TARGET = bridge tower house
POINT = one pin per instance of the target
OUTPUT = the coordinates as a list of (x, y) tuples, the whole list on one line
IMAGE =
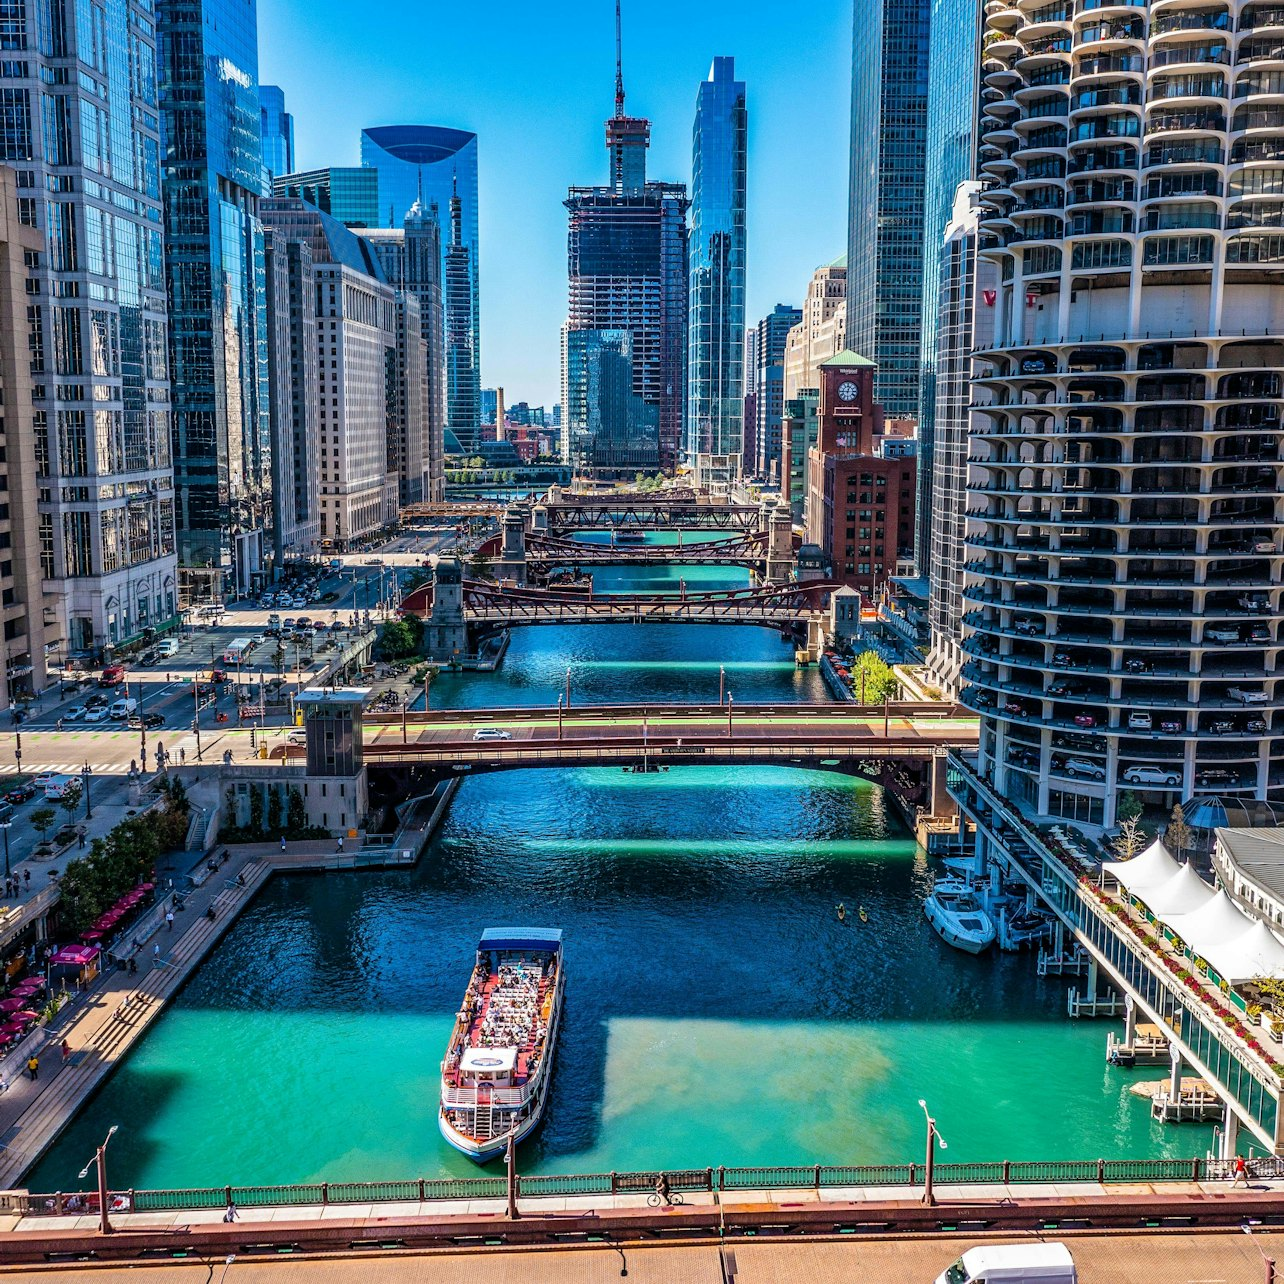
[(780, 544), (511, 564), (445, 632)]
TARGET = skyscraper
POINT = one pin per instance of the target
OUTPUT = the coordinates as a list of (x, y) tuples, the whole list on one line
[(715, 366), (431, 165), (953, 85), (411, 260), (627, 261), (885, 223), (213, 175), (463, 384), (608, 425), (276, 129), (769, 386), (86, 153), (1124, 536)]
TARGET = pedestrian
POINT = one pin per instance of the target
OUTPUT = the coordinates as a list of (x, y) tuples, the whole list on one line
[(26, 877), (1241, 1169), (33, 1066), (66, 1050), (340, 842), (231, 1215), (169, 919), (156, 955), (182, 756), (80, 836), (283, 842)]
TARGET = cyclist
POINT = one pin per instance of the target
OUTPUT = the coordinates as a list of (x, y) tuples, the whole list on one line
[(662, 1188)]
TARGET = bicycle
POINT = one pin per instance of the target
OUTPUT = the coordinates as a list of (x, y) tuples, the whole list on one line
[(655, 1199)]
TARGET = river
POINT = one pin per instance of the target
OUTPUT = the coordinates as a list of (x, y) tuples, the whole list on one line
[(717, 1012)]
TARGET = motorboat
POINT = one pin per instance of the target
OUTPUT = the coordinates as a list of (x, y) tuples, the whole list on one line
[(956, 913)]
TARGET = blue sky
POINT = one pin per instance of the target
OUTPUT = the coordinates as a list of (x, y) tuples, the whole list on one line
[(535, 80)]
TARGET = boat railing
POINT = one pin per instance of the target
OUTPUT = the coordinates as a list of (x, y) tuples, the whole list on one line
[(470, 1098)]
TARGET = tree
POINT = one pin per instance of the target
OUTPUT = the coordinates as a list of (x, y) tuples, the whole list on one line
[(70, 800), (1130, 839), (256, 812), (1179, 834), (1129, 806), (296, 815), (879, 682), (479, 565), (273, 811), (42, 820)]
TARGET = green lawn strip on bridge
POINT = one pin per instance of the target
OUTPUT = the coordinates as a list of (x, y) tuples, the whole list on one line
[(546, 718)]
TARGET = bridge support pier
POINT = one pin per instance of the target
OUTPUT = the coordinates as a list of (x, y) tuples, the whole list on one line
[(1229, 1137), (511, 564), (445, 631), (780, 545), (941, 801)]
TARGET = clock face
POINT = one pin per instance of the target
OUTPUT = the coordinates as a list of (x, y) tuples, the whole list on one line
[(848, 391)]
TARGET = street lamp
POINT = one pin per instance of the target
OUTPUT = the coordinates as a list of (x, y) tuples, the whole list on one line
[(722, 685), (86, 775), (568, 686), (932, 1138), (559, 715), (730, 699), (100, 1157), (4, 824)]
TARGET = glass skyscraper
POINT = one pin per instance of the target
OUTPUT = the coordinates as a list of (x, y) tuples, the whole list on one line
[(953, 81), (85, 149), (885, 225), (715, 362), (769, 386), (349, 193), (214, 264), (276, 128), (429, 165)]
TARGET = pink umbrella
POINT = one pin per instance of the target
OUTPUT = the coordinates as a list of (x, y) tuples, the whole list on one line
[(12, 1005), (91, 936), (24, 988), (10, 1028)]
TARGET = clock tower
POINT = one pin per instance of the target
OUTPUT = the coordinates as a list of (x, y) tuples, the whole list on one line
[(849, 419)]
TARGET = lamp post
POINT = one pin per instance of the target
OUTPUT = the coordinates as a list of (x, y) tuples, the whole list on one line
[(86, 775), (932, 1138), (4, 824), (559, 715), (568, 686), (100, 1158), (730, 701), (722, 685)]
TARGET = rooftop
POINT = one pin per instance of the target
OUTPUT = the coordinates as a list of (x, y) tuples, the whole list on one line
[(1258, 854), (847, 358)]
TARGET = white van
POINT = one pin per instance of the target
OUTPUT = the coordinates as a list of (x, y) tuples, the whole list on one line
[(1013, 1264), (123, 708)]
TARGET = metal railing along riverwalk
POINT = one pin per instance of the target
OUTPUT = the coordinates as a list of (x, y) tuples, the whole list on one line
[(709, 1180)]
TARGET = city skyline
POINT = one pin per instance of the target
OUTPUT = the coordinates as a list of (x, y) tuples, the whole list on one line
[(535, 142)]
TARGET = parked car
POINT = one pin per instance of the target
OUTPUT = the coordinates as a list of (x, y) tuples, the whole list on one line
[(1221, 633), (1083, 767), (1246, 695), (1140, 722), (1220, 726), (1171, 727), (1216, 776), (1255, 726), (1085, 720), (1027, 626), (1166, 776)]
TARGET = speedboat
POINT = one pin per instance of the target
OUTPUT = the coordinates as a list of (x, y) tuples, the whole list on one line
[(499, 1061), (958, 917)]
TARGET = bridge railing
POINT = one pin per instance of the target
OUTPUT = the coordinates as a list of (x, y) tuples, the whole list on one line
[(855, 712), (998, 1173)]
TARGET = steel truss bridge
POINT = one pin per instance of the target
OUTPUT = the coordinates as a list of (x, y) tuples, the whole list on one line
[(657, 513), (549, 550), (783, 606)]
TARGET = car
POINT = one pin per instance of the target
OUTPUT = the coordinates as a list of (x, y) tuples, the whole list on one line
[(1015, 707), (99, 714), (1063, 689), (1171, 727), (148, 720), (1246, 695), (1138, 666), (1256, 726), (1140, 722), (1221, 633), (1025, 757), (1028, 627), (303, 622), (148, 658), (74, 714), (1082, 767), (96, 701), (21, 793), (1253, 602), (288, 623), (1166, 776), (297, 738), (1058, 657), (1216, 776), (1221, 726), (492, 733), (167, 648), (1259, 633), (1085, 720)]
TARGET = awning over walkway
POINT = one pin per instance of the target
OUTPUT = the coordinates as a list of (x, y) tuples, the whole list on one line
[(1236, 947), (1182, 894)]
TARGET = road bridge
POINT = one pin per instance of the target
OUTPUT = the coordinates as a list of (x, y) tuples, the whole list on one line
[(648, 512), (902, 745), (549, 550)]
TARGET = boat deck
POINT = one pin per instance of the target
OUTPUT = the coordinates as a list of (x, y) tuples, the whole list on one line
[(511, 1011)]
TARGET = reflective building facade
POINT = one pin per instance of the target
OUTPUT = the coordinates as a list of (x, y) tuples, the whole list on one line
[(214, 266), (85, 149), (715, 365), (346, 192), (608, 425), (276, 128), (952, 96), (769, 386), (885, 224), (430, 164)]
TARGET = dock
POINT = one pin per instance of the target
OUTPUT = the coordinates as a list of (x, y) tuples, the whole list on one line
[(1196, 1102)]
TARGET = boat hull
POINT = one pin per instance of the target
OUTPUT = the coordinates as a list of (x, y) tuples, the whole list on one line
[(949, 931)]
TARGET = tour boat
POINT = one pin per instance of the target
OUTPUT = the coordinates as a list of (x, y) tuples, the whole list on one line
[(499, 1062), (955, 912), (628, 537)]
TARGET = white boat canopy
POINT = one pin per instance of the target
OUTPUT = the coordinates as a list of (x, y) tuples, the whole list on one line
[(1149, 868), (1237, 947), (1182, 894)]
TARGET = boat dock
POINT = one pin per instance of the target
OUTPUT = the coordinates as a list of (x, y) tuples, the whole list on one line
[(1196, 1102)]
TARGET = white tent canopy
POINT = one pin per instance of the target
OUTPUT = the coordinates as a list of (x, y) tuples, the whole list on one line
[(1237, 947), (1182, 894), (1147, 869)]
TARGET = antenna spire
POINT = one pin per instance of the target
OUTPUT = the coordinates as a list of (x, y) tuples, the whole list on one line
[(619, 66)]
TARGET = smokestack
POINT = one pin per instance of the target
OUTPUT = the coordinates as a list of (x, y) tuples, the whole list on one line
[(499, 415)]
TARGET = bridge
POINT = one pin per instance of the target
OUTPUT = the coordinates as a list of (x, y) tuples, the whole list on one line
[(657, 512), (902, 745), (460, 613), (548, 550)]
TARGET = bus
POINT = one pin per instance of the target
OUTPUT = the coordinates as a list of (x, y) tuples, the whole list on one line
[(238, 650)]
